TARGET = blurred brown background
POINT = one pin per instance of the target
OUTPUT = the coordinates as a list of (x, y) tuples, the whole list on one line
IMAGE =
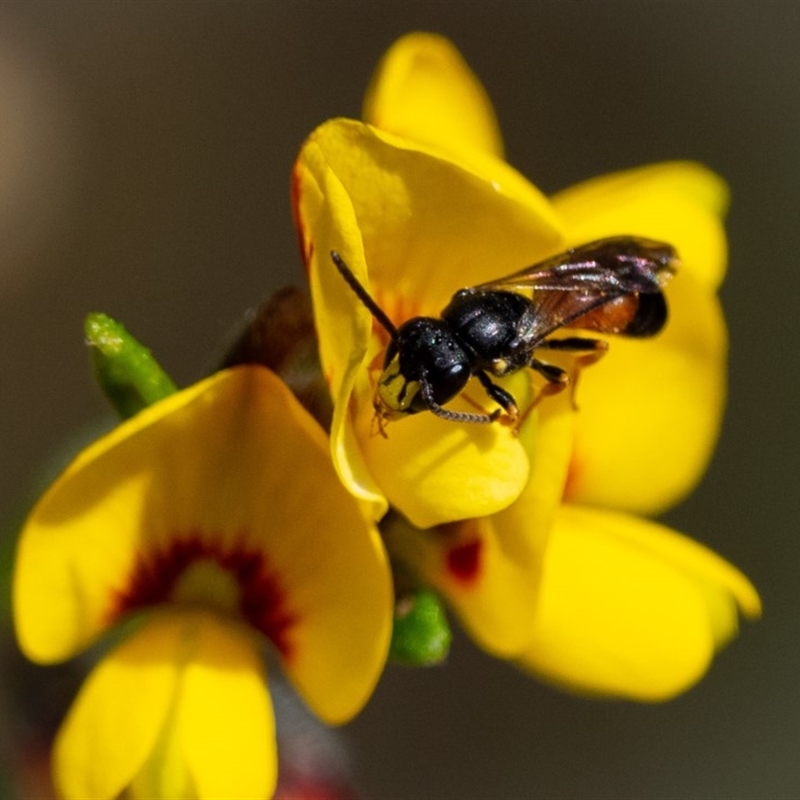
[(145, 151)]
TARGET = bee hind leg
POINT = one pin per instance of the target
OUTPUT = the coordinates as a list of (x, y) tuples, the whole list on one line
[(592, 351)]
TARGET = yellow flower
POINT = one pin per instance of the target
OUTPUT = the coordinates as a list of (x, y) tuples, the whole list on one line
[(426, 225), (214, 522), (533, 539)]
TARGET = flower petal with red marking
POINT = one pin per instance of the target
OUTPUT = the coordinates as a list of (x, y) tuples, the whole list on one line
[(232, 471), (489, 569)]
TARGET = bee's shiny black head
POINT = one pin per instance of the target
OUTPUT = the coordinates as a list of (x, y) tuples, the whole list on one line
[(423, 362)]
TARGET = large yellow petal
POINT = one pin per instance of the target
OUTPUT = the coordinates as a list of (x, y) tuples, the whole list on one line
[(424, 91), (326, 220), (631, 609), (428, 224), (238, 466), (115, 722), (180, 708), (275, 489), (224, 719), (650, 411), (436, 471), (681, 202), (378, 200)]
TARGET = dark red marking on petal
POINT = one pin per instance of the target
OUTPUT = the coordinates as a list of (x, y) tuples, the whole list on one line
[(464, 561), (261, 599), (464, 554)]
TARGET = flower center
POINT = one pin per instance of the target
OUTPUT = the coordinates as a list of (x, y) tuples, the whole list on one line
[(204, 582), (198, 571)]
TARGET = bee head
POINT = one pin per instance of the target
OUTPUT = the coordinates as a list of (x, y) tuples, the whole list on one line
[(424, 365)]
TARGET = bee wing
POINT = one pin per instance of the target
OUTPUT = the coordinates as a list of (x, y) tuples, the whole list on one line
[(608, 286), (550, 311), (620, 265)]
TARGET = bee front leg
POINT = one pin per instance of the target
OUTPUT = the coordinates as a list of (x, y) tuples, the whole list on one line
[(444, 413)]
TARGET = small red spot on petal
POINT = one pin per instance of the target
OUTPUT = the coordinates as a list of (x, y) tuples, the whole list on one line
[(464, 551), (464, 561), (261, 599)]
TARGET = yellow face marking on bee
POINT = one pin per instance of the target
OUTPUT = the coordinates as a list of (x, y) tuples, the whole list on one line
[(395, 393)]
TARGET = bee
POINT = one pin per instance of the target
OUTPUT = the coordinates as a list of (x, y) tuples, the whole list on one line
[(493, 330)]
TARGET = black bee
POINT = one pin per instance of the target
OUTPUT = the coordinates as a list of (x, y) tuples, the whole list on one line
[(492, 330)]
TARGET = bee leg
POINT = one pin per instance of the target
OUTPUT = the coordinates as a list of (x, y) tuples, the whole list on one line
[(573, 344), (594, 350), (378, 425), (557, 380), (444, 413), (503, 398)]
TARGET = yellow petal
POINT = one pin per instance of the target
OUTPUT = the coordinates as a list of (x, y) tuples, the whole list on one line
[(326, 220), (423, 90), (436, 471), (378, 201), (236, 465), (489, 569), (631, 609), (116, 719), (650, 411), (80, 541), (181, 708), (677, 202), (428, 225), (224, 719), (338, 590)]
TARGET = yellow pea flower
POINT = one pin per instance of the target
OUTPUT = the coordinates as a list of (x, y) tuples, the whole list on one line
[(214, 523), (533, 539)]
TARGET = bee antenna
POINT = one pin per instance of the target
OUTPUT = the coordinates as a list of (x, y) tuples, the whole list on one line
[(363, 295)]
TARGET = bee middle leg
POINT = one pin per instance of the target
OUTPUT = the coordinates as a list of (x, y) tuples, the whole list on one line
[(500, 396), (557, 380)]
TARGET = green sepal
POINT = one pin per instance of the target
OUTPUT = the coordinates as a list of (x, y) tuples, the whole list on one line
[(127, 372), (421, 635)]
